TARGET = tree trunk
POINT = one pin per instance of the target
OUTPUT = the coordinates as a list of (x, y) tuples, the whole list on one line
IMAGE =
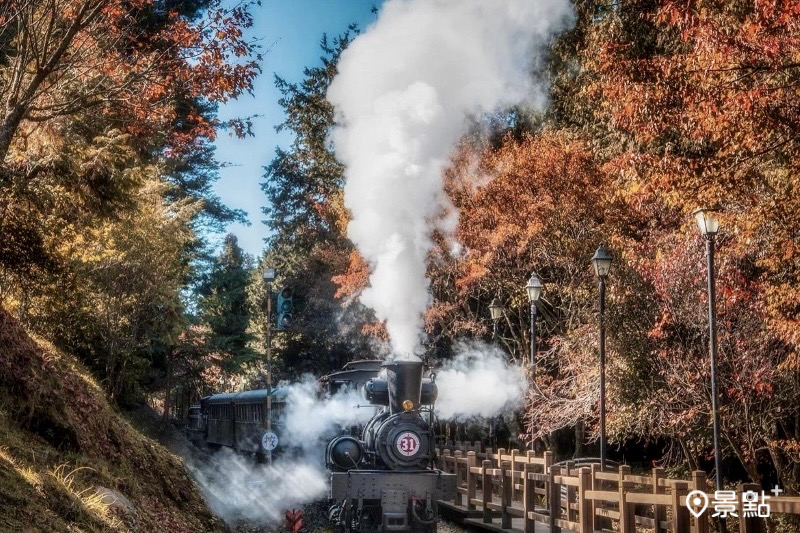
[(687, 454), (167, 395), (580, 439)]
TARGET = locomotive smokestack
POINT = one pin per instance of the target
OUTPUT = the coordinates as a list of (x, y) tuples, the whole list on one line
[(405, 384)]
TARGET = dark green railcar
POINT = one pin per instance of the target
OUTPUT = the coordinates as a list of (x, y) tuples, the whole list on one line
[(240, 420)]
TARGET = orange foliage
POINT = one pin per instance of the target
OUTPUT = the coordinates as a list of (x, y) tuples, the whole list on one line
[(711, 116), (544, 194), (354, 279)]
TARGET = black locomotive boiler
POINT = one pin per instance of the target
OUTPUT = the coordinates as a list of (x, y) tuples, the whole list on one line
[(384, 479)]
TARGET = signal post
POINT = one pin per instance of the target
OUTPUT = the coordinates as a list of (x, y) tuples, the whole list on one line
[(269, 277)]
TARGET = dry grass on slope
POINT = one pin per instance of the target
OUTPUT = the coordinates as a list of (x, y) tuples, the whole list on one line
[(70, 462)]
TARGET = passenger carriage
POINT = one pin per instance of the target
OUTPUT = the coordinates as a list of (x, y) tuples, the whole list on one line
[(240, 420)]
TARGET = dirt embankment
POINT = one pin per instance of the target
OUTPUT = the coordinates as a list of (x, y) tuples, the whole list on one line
[(70, 462)]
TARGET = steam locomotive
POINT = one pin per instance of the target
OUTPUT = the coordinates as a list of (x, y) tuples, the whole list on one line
[(383, 477)]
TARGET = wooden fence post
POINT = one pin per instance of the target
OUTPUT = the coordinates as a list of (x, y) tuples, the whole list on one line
[(597, 484), (572, 514), (443, 458), (585, 522), (659, 511), (699, 482), (627, 520), (459, 477), (514, 469), (548, 462), (554, 495), (680, 513), (529, 498), (472, 461), (749, 524), (486, 482), (506, 486)]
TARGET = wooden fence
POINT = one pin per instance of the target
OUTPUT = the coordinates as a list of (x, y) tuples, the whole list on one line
[(520, 489)]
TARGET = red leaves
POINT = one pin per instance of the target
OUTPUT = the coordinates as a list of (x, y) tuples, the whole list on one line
[(105, 59)]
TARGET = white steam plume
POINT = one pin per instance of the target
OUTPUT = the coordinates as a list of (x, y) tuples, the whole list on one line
[(404, 90), (309, 419), (237, 489), (479, 382)]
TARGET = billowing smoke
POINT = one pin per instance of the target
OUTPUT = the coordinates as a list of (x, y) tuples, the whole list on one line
[(479, 383), (309, 419), (237, 489), (403, 94)]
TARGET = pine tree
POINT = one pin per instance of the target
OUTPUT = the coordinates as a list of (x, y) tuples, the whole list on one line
[(306, 215), (224, 306)]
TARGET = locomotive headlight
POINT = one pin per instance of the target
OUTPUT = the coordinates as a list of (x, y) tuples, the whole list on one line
[(408, 405)]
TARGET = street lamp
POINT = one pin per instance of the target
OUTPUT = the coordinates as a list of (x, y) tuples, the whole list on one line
[(496, 311), (709, 226), (602, 264), (534, 289)]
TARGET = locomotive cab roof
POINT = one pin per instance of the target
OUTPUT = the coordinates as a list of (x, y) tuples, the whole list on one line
[(354, 374), (363, 364)]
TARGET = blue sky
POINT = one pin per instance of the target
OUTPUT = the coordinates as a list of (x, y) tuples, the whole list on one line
[(291, 30)]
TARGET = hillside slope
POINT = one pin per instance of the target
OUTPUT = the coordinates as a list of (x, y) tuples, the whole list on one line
[(66, 453)]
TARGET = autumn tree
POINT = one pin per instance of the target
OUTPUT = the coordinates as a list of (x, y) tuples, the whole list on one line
[(535, 203), (666, 106), (108, 111), (116, 303), (691, 104), (79, 76)]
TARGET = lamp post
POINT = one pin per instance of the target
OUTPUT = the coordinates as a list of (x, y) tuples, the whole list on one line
[(602, 264), (534, 289), (269, 277), (496, 311), (709, 226)]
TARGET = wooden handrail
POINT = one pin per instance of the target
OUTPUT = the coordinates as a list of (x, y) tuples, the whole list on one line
[(506, 485)]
